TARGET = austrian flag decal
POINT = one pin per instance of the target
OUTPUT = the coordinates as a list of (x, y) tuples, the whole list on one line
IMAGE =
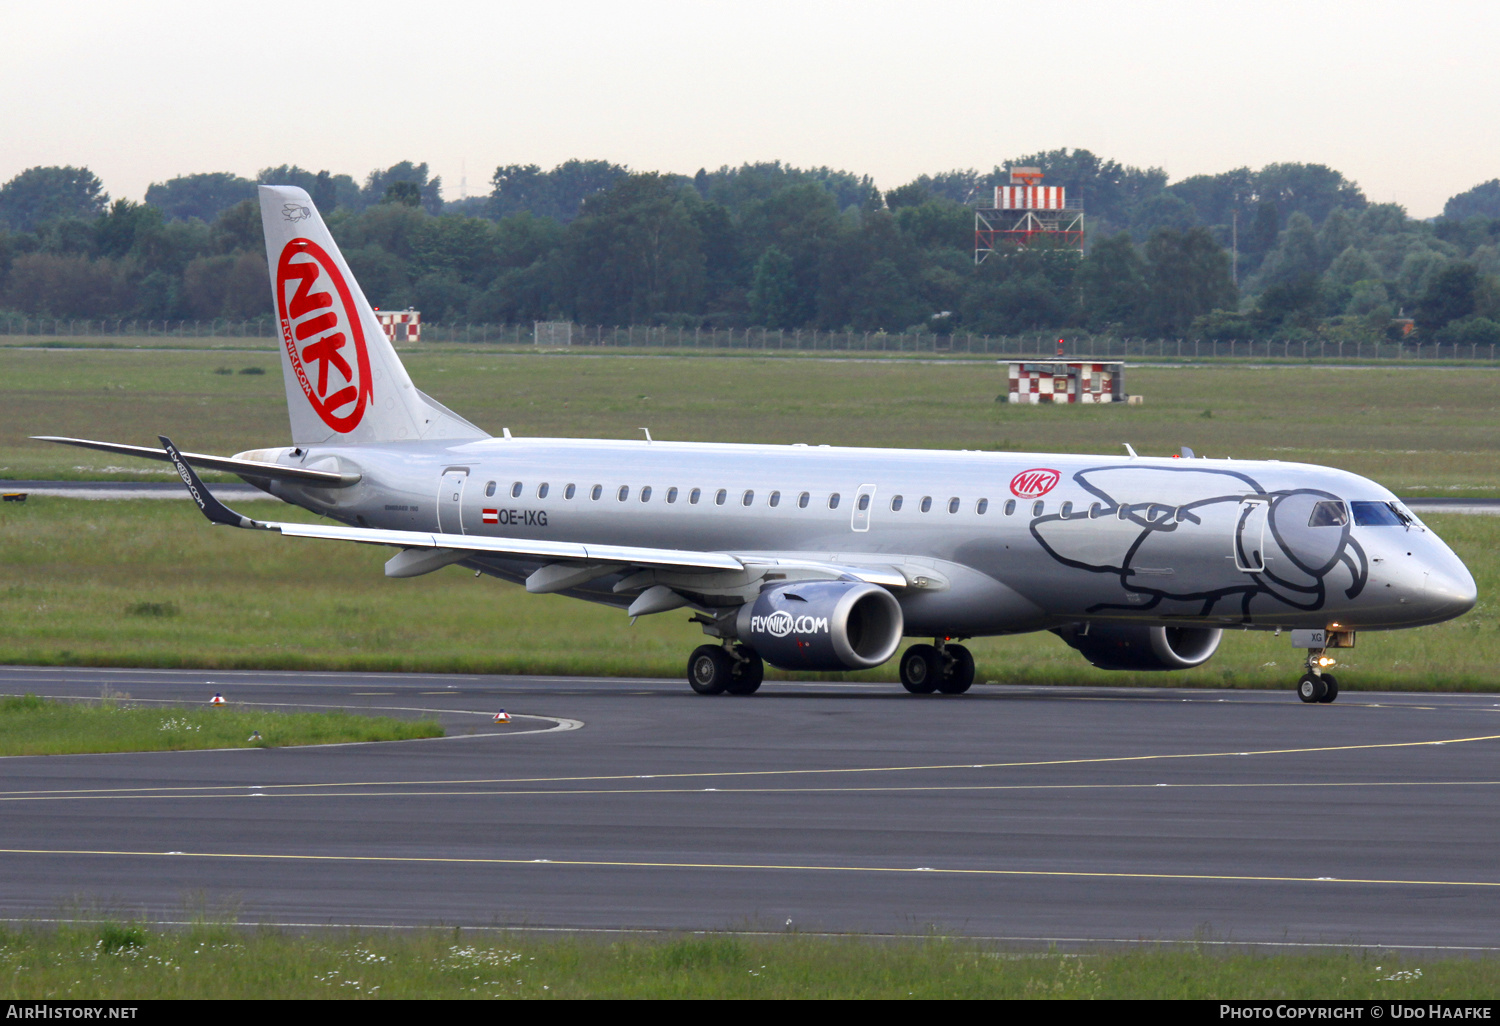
[(1028, 484), (491, 516), (323, 335)]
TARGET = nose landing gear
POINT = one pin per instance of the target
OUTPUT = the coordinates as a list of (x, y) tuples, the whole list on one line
[(1315, 685)]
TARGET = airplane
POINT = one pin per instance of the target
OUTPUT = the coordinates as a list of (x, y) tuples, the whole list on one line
[(812, 557)]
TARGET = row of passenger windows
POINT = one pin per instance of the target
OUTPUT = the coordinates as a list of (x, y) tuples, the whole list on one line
[(1152, 512), (694, 497)]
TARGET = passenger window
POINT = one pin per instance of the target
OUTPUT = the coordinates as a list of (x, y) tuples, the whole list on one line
[(749, 497), (774, 500), (598, 492), (1328, 514), (515, 490), (489, 489), (953, 505), (1123, 511), (1010, 506), (802, 500), (1067, 510), (624, 492), (720, 496), (982, 507), (833, 501), (646, 494), (864, 501), (695, 495), (926, 506), (570, 491), (1037, 507), (541, 491), (895, 503), (671, 495)]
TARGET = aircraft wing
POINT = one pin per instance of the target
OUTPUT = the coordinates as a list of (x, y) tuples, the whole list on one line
[(459, 546), (244, 468)]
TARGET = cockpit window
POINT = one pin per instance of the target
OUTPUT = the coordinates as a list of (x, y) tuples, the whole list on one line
[(1328, 514), (1379, 514)]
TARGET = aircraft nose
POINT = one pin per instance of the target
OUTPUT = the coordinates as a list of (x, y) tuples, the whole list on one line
[(1450, 589)]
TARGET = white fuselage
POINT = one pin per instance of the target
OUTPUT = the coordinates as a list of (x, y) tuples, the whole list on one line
[(1017, 541)]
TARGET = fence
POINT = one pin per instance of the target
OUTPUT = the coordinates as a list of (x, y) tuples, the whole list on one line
[(79, 327), (797, 340)]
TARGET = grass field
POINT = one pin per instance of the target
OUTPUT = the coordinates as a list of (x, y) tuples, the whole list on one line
[(150, 583), (1420, 431), (122, 961), (34, 726)]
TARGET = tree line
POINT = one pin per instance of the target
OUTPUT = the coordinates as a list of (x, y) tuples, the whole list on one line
[(1289, 250)]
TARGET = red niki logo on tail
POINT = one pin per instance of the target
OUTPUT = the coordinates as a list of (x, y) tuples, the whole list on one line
[(318, 325), (1028, 484)]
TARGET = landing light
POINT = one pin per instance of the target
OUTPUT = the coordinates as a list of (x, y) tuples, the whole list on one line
[(1327, 661)]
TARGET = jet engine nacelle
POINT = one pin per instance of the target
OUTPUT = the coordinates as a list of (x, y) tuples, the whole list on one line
[(822, 625), (1144, 648)]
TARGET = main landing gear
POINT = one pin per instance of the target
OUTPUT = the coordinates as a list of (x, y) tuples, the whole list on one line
[(944, 667), (720, 669), (1315, 685)]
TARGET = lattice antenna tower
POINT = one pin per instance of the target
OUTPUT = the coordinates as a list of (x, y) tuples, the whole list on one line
[(1026, 213)]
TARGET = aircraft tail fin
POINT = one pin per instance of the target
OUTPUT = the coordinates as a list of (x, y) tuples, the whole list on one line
[(344, 381)]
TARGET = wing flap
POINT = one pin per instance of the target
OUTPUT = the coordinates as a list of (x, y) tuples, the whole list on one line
[(519, 547)]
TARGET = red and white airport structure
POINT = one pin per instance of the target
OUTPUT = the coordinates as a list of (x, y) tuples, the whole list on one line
[(1027, 213), (401, 325), (1070, 381)]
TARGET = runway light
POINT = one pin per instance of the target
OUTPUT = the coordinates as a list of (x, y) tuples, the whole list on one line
[(502, 716), (218, 699), (254, 736)]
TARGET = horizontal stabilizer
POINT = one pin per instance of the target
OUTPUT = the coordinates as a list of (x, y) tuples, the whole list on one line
[(244, 468)]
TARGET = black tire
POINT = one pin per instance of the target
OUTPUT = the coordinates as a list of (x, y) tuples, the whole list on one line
[(1310, 688), (1333, 688), (709, 669), (920, 671), (961, 674), (746, 676)]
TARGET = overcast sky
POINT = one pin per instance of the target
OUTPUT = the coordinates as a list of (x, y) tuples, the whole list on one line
[(1401, 98)]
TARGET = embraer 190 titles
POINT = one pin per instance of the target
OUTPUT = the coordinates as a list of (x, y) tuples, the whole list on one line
[(813, 557)]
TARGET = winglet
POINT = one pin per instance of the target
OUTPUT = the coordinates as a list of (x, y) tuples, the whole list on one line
[(212, 508)]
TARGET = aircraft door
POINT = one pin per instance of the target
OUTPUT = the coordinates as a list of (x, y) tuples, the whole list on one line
[(864, 499), (450, 500), (1250, 535)]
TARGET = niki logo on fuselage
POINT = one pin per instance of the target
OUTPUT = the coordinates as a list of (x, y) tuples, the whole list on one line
[(1029, 484), (323, 335)]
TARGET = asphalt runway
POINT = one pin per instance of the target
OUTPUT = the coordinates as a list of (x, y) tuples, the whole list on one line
[(1035, 814)]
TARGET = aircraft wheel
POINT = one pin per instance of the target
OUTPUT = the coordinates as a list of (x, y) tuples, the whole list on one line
[(920, 671), (745, 678), (961, 674), (1311, 688), (709, 669), (1332, 686)]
